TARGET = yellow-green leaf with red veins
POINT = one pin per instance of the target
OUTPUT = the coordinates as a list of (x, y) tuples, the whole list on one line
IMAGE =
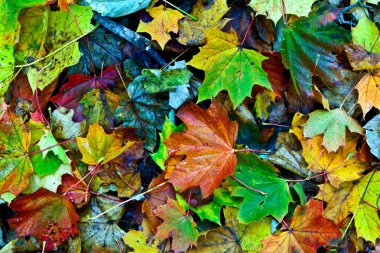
[(15, 165), (99, 147), (332, 124), (48, 216), (308, 231), (208, 144), (178, 225), (229, 67), (165, 21)]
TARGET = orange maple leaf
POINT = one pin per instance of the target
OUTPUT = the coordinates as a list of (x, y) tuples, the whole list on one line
[(369, 91), (308, 231), (208, 144), (64, 4)]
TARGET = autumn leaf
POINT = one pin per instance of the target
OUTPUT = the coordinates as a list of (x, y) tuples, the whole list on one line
[(229, 67), (15, 165), (78, 195), (143, 111), (99, 147), (359, 198), (48, 216), (208, 144), (65, 4), (307, 46), (140, 243), (191, 32), (275, 9), (332, 124), (340, 166), (361, 59), (177, 225), (308, 231), (165, 20), (263, 191), (369, 91), (365, 34), (72, 92), (43, 72)]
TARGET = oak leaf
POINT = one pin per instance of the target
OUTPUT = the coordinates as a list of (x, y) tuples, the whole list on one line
[(308, 231), (208, 144), (359, 197), (332, 124), (165, 20), (369, 91), (229, 67), (99, 147), (177, 225), (48, 216)]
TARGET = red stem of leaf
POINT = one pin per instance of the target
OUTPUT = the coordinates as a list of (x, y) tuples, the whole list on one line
[(247, 31), (247, 186), (188, 204), (39, 107), (59, 143), (83, 178)]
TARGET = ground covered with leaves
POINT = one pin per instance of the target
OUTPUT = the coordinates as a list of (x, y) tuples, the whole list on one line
[(189, 126)]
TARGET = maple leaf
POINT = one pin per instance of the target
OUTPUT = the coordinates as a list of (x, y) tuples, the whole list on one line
[(365, 34), (15, 165), (373, 135), (78, 195), (361, 198), (108, 234), (306, 49), (177, 225), (361, 59), (274, 196), (332, 124), (99, 107), (340, 166), (140, 242), (99, 147), (43, 72), (229, 67), (208, 144), (369, 91), (143, 111), (48, 216), (78, 85), (191, 32), (308, 231), (165, 20), (155, 199), (275, 9)]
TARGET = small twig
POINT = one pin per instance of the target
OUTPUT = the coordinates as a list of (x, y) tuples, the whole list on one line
[(129, 35), (247, 186), (184, 12), (126, 201)]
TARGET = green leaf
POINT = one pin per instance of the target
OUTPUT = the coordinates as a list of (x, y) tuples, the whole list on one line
[(297, 187), (48, 141), (332, 124), (373, 135), (307, 47), (142, 111), (45, 164), (62, 29), (259, 175), (229, 67), (9, 29), (366, 34), (156, 80), (117, 8), (162, 153)]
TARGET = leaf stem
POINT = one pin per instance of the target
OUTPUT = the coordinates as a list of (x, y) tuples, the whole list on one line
[(126, 201), (247, 31), (247, 186), (251, 151), (52, 146), (184, 12)]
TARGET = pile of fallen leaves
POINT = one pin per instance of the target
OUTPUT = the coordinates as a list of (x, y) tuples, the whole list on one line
[(198, 126)]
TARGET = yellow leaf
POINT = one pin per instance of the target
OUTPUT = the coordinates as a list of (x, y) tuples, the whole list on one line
[(369, 91), (209, 16), (140, 243), (165, 20), (339, 167), (99, 147), (348, 198)]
